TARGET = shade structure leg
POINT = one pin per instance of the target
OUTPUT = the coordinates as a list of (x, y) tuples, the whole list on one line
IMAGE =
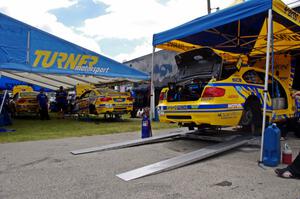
[(152, 87), (270, 21)]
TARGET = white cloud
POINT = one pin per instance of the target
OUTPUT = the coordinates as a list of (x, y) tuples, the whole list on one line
[(130, 19), (140, 50), (136, 19), (36, 13)]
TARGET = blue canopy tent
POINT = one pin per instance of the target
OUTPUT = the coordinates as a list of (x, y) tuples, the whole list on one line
[(250, 28), (32, 55)]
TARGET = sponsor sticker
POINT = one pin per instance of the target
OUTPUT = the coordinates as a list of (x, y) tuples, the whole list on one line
[(236, 79), (234, 106)]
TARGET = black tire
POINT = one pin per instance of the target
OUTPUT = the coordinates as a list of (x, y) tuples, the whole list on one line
[(118, 116), (191, 128), (252, 115), (92, 109)]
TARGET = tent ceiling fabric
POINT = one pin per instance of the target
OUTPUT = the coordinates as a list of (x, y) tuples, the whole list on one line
[(238, 29), (30, 81), (41, 57), (53, 82)]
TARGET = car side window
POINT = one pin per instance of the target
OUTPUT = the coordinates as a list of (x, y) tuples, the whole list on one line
[(16, 96), (92, 94), (252, 77), (85, 95)]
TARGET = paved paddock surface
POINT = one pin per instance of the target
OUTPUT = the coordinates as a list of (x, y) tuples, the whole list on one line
[(46, 169)]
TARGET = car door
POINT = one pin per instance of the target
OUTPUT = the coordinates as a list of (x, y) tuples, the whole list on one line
[(255, 86), (83, 103), (277, 93)]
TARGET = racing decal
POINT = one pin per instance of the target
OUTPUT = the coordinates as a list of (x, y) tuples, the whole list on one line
[(245, 90), (227, 115), (202, 108), (233, 96), (189, 107), (279, 117), (236, 79), (234, 106)]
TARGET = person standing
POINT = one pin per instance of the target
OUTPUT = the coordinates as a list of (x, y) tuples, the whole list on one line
[(43, 105), (61, 102)]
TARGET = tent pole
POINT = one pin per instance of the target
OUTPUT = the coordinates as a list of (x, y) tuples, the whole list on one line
[(270, 21), (28, 47), (3, 100), (152, 87)]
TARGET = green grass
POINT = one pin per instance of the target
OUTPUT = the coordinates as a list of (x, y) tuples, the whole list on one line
[(28, 129)]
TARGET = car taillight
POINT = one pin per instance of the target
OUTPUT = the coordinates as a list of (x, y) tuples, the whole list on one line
[(105, 99), (129, 98), (162, 96), (21, 100), (213, 92)]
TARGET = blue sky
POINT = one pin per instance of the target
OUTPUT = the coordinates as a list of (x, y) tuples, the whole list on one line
[(77, 13), (121, 30)]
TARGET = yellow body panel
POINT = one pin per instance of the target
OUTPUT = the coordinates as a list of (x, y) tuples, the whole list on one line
[(24, 100), (81, 88), (228, 109), (21, 88)]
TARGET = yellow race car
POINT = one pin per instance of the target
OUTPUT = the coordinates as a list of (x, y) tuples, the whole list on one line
[(24, 101), (211, 92), (105, 101)]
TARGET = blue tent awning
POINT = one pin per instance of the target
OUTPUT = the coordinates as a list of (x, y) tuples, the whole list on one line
[(237, 29), (28, 49)]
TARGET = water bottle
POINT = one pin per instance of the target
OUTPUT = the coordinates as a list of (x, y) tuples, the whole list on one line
[(287, 156)]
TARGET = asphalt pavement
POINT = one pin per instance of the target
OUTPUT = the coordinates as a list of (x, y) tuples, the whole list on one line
[(47, 169)]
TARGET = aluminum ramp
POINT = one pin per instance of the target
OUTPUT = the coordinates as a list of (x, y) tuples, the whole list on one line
[(185, 159), (131, 143)]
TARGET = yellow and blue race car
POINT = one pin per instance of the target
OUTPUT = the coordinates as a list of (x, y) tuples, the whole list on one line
[(24, 101), (211, 92), (105, 101)]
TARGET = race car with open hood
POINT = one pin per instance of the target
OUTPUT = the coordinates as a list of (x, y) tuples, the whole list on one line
[(214, 92)]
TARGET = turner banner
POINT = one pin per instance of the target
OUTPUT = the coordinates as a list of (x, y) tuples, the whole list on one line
[(28, 49)]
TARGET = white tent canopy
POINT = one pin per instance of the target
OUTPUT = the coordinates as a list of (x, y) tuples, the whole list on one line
[(53, 82)]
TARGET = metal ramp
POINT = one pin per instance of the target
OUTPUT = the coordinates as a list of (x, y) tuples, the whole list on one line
[(185, 159), (131, 143)]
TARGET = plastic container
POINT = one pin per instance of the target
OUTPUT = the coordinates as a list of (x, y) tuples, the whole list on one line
[(287, 156), (271, 146), (146, 127)]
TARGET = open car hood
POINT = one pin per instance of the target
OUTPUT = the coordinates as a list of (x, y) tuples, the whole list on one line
[(201, 63)]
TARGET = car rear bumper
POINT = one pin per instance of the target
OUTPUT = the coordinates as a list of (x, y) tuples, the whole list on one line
[(117, 109), (27, 109), (224, 117)]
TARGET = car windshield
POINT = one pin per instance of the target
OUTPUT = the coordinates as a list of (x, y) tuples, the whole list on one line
[(28, 94)]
